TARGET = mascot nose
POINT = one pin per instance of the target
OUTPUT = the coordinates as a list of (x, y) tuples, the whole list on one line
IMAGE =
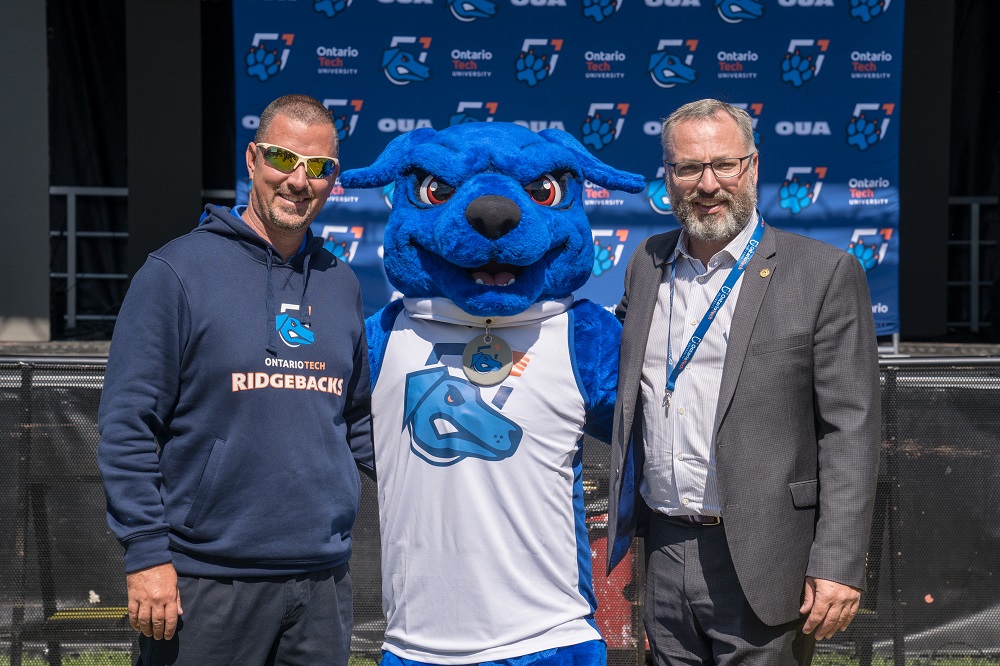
[(493, 216)]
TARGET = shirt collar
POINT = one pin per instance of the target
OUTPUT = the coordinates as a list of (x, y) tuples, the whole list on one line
[(732, 250)]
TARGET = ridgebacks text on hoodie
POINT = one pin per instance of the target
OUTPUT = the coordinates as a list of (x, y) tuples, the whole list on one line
[(235, 412)]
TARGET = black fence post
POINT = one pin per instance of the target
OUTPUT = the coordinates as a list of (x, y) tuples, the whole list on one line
[(20, 571), (890, 421)]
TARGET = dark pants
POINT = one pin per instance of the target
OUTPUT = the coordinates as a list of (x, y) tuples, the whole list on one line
[(300, 620), (695, 610)]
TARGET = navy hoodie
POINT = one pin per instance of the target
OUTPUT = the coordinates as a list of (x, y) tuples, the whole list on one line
[(235, 412)]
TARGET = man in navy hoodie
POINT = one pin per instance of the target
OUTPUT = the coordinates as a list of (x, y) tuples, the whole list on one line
[(235, 416)]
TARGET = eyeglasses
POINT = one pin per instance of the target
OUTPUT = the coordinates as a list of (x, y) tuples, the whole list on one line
[(726, 167), (287, 161)]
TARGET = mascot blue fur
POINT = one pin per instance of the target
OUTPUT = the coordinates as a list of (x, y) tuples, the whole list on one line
[(485, 377)]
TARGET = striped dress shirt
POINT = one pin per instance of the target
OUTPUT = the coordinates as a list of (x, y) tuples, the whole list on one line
[(679, 470)]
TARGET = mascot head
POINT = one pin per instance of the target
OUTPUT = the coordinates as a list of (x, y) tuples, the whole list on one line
[(489, 215)]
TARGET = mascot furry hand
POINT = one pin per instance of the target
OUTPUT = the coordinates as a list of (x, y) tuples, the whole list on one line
[(485, 377)]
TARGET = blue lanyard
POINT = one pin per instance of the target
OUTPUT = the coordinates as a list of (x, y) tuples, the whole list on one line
[(720, 298)]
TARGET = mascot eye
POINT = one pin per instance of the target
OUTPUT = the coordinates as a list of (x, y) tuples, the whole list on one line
[(545, 191), (433, 191)]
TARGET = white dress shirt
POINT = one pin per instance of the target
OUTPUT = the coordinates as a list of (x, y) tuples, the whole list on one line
[(679, 470)]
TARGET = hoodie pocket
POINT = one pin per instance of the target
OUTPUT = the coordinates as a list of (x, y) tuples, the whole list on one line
[(805, 494), (207, 485)]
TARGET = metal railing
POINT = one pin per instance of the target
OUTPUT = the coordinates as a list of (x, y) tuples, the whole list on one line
[(975, 243), (73, 234)]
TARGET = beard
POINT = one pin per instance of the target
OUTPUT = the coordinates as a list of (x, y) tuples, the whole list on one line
[(717, 227)]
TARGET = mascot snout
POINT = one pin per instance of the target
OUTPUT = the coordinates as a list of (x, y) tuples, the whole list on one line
[(493, 216)]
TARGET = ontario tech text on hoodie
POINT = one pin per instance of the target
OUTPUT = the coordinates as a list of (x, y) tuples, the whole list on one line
[(235, 412)]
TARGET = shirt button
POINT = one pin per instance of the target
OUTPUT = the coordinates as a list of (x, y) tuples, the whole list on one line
[(680, 410), (694, 322), (680, 456), (685, 501)]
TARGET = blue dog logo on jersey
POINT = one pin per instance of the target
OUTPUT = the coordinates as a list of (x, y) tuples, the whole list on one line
[(292, 332), (449, 421)]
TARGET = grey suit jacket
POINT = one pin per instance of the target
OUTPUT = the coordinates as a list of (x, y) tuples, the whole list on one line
[(797, 430)]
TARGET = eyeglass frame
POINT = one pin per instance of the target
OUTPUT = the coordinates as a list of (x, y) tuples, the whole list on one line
[(301, 159), (673, 167)]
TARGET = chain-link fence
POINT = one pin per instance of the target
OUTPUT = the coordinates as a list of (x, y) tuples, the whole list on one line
[(934, 562)]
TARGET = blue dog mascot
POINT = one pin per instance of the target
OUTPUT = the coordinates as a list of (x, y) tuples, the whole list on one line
[(485, 377)]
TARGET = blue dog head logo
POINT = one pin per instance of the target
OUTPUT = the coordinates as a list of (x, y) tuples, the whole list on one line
[(449, 421), (470, 10), (292, 331), (489, 215), (402, 67), (737, 11), (668, 70)]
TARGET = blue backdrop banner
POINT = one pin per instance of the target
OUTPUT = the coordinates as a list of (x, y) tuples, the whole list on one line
[(820, 78)]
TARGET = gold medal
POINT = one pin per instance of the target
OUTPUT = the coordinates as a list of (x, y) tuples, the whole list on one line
[(487, 359)]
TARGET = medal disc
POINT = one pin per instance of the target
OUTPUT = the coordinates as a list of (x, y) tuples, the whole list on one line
[(487, 360)]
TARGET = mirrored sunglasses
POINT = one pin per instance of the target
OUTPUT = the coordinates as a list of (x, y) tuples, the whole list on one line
[(286, 161)]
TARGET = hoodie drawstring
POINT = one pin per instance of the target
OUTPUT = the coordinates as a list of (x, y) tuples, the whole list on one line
[(272, 334)]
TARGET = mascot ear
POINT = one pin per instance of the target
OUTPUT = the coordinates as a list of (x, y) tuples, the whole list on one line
[(592, 168), (393, 161)]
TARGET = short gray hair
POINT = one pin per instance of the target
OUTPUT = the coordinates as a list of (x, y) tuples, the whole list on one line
[(302, 108), (708, 108)]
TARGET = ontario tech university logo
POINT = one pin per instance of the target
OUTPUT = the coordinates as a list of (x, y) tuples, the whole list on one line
[(796, 195), (737, 11), (470, 10), (867, 11), (599, 10), (449, 421), (537, 60), (331, 8), (342, 241), (263, 61), (599, 132), (607, 255), (347, 121), (292, 331), (869, 246), (754, 109), (868, 124), (403, 66), (803, 60), (670, 63), (472, 112)]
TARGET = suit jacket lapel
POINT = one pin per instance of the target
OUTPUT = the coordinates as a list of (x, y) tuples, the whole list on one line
[(643, 293), (752, 289)]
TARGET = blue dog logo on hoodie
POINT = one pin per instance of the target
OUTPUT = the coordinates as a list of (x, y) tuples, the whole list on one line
[(292, 331)]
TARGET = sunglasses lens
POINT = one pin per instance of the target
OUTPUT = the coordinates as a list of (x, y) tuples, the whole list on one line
[(319, 168), (281, 159)]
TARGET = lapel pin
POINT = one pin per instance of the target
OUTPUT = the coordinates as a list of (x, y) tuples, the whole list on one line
[(764, 272)]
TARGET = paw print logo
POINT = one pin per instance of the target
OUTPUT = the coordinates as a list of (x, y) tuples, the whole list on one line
[(597, 133), (794, 196), (343, 126), (868, 255), (867, 10), (530, 68), (604, 258), (261, 63), (331, 7), (340, 250), (862, 133), (598, 10), (796, 69)]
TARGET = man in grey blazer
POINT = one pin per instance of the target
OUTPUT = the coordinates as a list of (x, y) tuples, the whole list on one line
[(747, 425)]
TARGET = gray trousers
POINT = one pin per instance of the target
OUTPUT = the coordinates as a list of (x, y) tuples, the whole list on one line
[(695, 610), (302, 620)]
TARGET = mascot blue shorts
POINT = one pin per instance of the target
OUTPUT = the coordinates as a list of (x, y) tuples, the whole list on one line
[(486, 375)]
